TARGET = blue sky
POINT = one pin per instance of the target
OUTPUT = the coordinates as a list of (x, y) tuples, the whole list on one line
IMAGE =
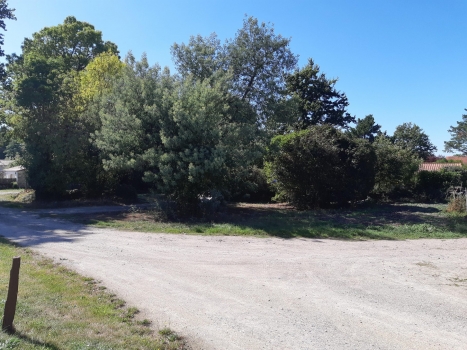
[(402, 61)]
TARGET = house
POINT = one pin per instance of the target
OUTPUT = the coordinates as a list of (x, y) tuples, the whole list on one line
[(438, 166), (18, 173)]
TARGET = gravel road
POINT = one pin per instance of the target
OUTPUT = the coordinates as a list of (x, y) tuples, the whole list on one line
[(253, 293)]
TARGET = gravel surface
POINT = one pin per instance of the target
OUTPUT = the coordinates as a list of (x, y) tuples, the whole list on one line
[(253, 293)]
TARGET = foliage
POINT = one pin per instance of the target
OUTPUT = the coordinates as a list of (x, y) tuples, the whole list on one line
[(411, 136), (458, 140), (256, 58), (433, 185), (97, 77), (395, 167), (206, 143), (321, 165), (189, 137), (130, 114), (319, 101), (44, 114), (73, 43), (5, 13), (201, 57), (366, 129), (14, 150)]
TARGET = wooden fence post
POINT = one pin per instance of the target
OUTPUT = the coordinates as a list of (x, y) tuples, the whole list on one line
[(10, 304)]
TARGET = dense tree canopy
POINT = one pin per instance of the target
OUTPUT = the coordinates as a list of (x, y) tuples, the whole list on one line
[(189, 137), (366, 128), (78, 117), (74, 44), (43, 84), (256, 58), (318, 100), (321, 165), (411, 136)]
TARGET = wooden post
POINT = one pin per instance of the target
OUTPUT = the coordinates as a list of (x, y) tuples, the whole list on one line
[(10, 304)]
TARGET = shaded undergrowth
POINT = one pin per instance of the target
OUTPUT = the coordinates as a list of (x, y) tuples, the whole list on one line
[(396, 221)]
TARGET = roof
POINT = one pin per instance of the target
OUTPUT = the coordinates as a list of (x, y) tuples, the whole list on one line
[(15, 168), (438, 166)]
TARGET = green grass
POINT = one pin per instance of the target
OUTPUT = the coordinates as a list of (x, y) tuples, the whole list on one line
[(59, 309), (402, 221)]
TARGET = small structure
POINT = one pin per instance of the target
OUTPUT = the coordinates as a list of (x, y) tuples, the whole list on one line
[(438, 166), (18, 173)]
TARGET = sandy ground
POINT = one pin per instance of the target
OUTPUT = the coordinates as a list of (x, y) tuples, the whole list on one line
[(253, 293)]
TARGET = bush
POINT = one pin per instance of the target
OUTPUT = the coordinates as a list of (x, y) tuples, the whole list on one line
[(396, 169), (432, 185), (320, 166), (14, 185)]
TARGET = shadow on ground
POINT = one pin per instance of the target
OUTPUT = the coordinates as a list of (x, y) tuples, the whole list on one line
[(28, 229), (396, 221)]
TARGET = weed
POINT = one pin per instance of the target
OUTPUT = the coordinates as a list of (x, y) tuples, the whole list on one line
[(457, 204)]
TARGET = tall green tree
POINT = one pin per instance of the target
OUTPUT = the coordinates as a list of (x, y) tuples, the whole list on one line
[(189, 137), (366, 128), (318, 100), (458, 142), (201, 57), (256, 58), (411, 136), (43, 84)]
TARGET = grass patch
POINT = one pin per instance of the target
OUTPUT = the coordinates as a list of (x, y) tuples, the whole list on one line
[(59, 309), (397, 221)]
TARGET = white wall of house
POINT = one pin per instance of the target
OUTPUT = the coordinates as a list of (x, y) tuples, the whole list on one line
[(18, 173)]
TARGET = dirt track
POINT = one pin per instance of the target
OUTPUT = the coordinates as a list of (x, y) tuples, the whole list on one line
[(250, 293)]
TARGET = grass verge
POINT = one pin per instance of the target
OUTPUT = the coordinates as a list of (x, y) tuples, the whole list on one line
[(397, 221), (59, 309)]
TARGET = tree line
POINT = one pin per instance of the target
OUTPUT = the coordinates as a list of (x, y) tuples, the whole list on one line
[(237, 119)]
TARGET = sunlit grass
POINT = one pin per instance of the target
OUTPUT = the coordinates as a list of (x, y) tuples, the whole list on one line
[(59, 309)]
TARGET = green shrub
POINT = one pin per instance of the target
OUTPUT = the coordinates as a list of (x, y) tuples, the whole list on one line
[(396, 168), (320, 166), (432, 185)]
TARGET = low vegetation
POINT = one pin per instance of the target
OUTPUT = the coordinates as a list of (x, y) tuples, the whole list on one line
[(395, 221), (59, 309)]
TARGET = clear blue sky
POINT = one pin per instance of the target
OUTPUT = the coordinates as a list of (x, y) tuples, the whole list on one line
[(400, 60)]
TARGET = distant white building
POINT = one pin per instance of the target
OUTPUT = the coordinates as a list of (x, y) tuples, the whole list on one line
[(18, 173)]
